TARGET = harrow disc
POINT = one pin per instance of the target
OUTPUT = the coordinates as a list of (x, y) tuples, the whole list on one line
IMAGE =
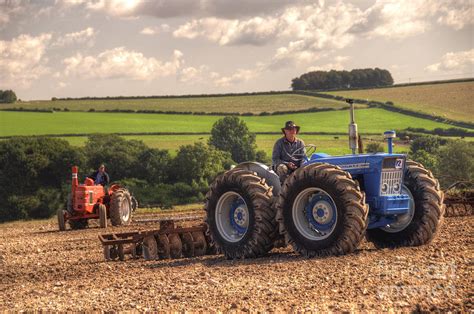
[(200, 243), (163, 246), (188, 244), (150, 248), (176, 246)]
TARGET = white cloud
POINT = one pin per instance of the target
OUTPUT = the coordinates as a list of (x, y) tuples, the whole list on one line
[(22, 60), (148, 31), (337, 65), (454, 61), (177, 8), (153, 30), (398, 19), (255, 31), (85, 36), (239, 76), (121, 63), (312, 29), (9, 10), (318, 30), (193, 74), (456, 14)]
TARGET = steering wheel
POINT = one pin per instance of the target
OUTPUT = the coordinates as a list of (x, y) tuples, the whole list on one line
[(298, 154)]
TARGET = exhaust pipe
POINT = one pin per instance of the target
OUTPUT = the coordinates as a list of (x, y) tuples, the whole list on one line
[(74, 182), (353, 135)]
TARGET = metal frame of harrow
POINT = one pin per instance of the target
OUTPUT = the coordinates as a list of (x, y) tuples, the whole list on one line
[(114, 244)]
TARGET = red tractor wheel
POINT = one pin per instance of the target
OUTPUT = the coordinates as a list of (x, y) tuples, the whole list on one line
[(120, 207)]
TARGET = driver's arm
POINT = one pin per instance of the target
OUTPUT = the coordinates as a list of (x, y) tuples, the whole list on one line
[(303, 151), (276, 155)]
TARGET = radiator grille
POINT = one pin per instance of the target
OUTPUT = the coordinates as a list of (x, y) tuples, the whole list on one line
[(391, 182)]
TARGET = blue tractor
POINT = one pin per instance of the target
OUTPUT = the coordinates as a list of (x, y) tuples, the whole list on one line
[(326, 206)]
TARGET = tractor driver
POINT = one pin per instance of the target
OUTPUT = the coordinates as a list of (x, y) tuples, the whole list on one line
[(100, 176), (288, 151)]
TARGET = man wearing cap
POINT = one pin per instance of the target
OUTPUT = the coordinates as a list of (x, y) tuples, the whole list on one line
[(100, 176), (288, 151)]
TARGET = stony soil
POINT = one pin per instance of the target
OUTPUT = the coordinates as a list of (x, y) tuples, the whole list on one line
[(43, 269)]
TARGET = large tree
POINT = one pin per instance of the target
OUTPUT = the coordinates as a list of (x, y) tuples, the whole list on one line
[(199, 163), (232, 135), (7, 96)]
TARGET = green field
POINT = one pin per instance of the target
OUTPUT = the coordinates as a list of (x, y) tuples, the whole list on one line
[(330, 144), (450, 100), (242, 104), (32, 123)]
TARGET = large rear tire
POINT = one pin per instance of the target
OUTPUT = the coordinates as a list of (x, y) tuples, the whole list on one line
[(240, 216), (428, 211), (120, 207), (322, 211)]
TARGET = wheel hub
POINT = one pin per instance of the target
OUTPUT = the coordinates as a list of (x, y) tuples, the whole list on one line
[(314, 214), (232, 216), (238, 216), (320, 212)]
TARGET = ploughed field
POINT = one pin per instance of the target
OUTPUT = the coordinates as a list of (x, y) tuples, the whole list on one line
[(43, 269), (449, 100)]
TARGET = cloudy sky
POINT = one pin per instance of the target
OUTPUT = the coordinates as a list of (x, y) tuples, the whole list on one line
[(142, 47)]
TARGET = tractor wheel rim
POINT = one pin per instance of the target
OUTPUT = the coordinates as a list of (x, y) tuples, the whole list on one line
[(232, 216), (125, 210), (314, 214), (404, 220)]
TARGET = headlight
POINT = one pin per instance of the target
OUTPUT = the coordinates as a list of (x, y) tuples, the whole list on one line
[(396, 187), (384, 187)]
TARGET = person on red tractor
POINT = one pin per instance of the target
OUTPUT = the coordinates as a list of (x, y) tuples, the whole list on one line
[(288, 151), (100, 176)]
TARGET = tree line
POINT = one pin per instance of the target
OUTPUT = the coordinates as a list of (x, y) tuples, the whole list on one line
[(357, 78)]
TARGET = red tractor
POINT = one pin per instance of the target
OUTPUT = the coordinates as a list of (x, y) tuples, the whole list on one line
[(90, 201)]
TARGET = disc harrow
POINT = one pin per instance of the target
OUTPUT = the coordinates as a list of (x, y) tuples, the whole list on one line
[(459, 199), (169, 241)]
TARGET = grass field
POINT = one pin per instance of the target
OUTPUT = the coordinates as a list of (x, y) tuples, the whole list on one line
[(31, 123), (242, 104), (451, 100), (330, 144)]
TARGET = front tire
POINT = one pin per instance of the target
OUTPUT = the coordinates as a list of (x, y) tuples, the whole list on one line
[(322, 211), (428, 211), (240, 216), (120, 207)]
